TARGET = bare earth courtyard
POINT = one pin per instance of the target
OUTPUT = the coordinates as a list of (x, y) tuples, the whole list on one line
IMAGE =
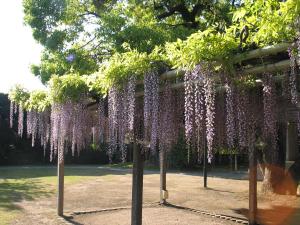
[(110, 189)]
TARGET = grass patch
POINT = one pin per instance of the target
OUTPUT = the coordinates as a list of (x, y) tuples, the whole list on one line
[(127, 165), (149, 166), (13, 191), (29, 183)]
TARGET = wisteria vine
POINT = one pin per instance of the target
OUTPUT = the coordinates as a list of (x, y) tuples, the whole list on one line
[(230, 123), (242, 118), (121, 108), (167, 122), (270, 122), (292, 77), (199, 106), (151, 108), (209, 92)]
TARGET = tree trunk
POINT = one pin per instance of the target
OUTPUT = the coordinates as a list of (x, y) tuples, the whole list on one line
[(274, 161), (60, 194), (252, 185), (163, 176), (267, 185), (137, 186)]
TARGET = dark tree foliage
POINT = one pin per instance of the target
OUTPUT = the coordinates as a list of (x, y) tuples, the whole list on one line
[(193, 14)]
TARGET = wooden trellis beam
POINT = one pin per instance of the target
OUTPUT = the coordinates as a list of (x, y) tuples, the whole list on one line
[(279, 66), (257, 53), (275, 67)]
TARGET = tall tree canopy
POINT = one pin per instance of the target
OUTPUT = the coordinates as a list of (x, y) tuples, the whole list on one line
[(78, 35)]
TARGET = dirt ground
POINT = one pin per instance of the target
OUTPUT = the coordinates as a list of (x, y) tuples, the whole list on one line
[(227, 194), (161, 215)]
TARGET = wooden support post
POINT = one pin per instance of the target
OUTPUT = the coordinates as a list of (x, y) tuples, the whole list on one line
[(60, 197), (231, 161), (235, 162), (137, 186), (291, 141), (163, 176), (205, 167), (252, 186)]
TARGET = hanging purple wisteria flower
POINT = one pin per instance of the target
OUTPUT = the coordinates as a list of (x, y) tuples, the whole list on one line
[(131, 102), (151, 107), (270, 123), (112, 121), (230, 123), (209, 92), (101, 119), (242, 119), (11, 114), (292, 77), (167, 123), (197, 76), (20, 121), (189, 111)]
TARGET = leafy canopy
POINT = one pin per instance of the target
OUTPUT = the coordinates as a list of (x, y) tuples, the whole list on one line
[(19, 95), (92, 31), (75, 59), (269, 21), (119, 39), (36, 100), (67, 87), (208, 45), (266, 21)]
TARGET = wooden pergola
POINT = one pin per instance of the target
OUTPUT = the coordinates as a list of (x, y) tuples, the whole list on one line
[(138, 157)]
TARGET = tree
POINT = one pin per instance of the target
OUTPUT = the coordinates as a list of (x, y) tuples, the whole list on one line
[(94, 30)]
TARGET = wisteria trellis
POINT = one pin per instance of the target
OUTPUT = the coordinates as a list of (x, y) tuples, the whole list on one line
[(68, 125)]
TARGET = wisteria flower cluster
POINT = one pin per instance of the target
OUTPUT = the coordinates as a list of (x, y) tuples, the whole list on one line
[(292, 78), (151, 107), (11, 114), (199, 107), (69, 126), (269, 101), (230, 123), (210, 115), (121, 108), (65, 126), (167, 122), (242, 117)]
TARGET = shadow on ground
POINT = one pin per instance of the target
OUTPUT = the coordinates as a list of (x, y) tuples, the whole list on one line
[(29, 183), (26, 172), (14, 191), (71, 220)]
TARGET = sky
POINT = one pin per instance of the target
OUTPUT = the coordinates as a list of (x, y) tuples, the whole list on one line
[(18, 49)]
